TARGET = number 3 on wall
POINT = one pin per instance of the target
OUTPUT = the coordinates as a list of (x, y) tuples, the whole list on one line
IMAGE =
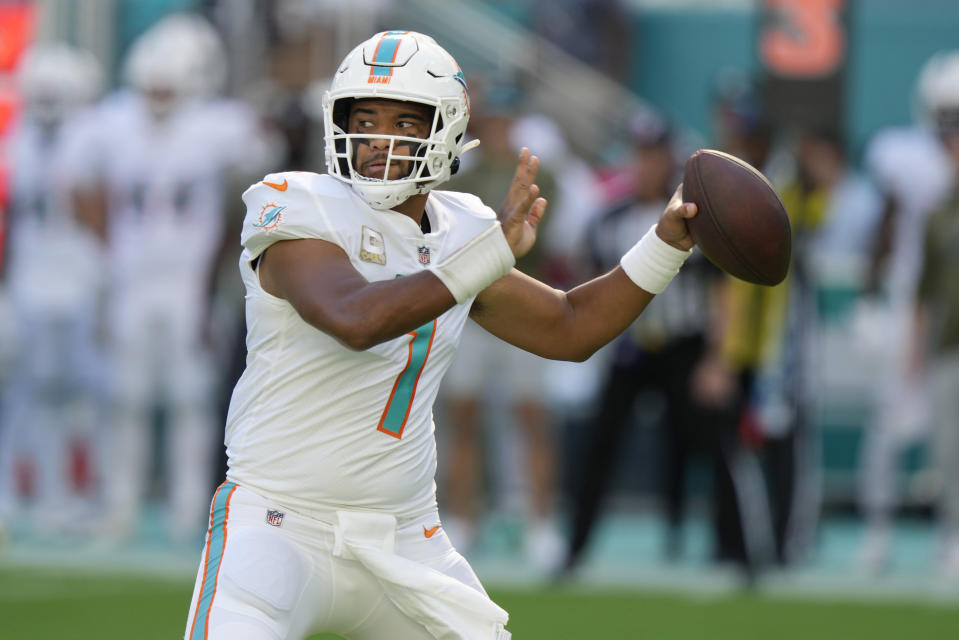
[(802, 38), (398, 406)]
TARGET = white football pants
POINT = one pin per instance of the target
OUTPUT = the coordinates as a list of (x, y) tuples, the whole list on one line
[(271, 574), (159, 359)]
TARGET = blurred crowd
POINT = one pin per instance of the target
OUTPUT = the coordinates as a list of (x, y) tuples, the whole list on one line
[(121, 318)]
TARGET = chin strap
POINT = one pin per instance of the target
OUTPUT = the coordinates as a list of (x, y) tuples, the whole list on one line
[(472, 144)]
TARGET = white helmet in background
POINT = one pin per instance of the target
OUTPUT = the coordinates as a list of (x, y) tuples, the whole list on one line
[(56, 78), (180, 57), (938, 90), (407, 66)]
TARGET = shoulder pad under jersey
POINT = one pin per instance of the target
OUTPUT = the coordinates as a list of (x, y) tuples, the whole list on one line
[(286, 206)]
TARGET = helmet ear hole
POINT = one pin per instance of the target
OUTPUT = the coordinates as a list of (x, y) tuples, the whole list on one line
[(341, 112)]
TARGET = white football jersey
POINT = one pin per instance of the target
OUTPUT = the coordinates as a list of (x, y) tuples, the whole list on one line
[(313, 424), (165, 183), (55, 263)]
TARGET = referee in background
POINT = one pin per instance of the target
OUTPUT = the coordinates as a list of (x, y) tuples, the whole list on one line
[(669, 351)]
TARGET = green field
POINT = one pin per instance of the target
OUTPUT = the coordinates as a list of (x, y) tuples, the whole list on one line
[(42, 604)]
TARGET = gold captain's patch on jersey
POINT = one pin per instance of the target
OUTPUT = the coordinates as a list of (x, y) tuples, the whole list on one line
[(372, 247)]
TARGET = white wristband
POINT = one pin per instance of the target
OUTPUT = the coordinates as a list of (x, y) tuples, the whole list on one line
[(652, 263), (476, 265)]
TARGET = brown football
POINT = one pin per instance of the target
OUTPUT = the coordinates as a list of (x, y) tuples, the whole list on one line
[(742, 225)]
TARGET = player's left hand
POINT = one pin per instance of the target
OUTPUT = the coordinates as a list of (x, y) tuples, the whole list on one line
[(523, 208), (672, 227)]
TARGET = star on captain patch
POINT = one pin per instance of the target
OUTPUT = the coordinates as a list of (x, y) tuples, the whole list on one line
[(424, 254), (372, 247)]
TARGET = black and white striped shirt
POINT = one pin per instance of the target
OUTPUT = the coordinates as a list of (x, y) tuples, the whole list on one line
[(682, 310)]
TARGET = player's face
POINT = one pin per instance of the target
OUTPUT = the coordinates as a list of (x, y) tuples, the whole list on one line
[(386, 117), (161, 101)]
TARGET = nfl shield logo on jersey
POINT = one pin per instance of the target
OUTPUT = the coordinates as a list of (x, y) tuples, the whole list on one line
[(274, 518), (424, 255)]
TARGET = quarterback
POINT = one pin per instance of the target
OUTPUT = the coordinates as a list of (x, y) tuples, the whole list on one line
[(358, 285)]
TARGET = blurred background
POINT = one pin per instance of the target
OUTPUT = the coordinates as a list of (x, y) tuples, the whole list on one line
[(799, 440)]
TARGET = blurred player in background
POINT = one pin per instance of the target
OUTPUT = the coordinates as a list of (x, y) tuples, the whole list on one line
[(831, 211), (769, 341), (165, 149), (358, 284), (486, 374), (935, 348), (914, 173), (576, 204), (54, 276), (743, 527), (658, 354)]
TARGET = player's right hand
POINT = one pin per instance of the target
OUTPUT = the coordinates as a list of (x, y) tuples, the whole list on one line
[(523, 208), (672, 227)]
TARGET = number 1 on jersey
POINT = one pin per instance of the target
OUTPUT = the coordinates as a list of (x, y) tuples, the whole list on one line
[(398, 406)]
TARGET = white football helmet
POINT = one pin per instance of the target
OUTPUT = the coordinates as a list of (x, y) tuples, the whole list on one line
[(56, 78), (181, 54), (937, 89), (407, 66)]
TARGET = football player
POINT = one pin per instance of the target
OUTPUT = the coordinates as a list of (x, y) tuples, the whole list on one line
[(54, 277), (935, 342), (358, 285), (167, 147), (914, 173)]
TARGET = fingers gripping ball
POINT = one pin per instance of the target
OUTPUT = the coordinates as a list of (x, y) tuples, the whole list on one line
[(742, 225)]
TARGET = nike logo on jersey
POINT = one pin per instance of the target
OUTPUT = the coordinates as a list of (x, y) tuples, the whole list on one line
[(429, 532), (278, 187)]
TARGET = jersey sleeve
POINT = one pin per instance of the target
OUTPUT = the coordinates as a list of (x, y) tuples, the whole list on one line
[(902, 162), (883, 160), (282, 207)]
